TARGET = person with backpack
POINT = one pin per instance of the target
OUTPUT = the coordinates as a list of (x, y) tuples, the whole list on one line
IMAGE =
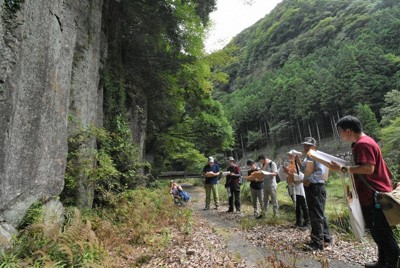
[(269, 168), (233, 184), (179, 194)]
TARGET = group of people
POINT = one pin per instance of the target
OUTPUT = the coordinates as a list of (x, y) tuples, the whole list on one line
[(266, 188), (306, 184)]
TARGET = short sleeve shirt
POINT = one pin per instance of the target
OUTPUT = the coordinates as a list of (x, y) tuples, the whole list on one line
[(367, 151), (214, 168), (270, 180), (257, 185)]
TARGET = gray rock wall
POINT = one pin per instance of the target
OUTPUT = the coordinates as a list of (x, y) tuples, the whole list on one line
[(86, 94), (49, 64)]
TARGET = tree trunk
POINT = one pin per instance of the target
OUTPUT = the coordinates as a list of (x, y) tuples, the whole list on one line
[(241, 142), (293, 136), (298, 128), (319, 137)]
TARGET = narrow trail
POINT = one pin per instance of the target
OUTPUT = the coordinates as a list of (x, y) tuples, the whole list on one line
[(252, 255)]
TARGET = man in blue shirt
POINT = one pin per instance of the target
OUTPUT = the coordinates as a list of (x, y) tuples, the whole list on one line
[(211, 173)]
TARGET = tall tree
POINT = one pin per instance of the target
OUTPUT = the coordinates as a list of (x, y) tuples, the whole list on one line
[(368, 119)]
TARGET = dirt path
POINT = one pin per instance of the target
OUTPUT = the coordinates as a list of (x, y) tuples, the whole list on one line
[(257, 247)]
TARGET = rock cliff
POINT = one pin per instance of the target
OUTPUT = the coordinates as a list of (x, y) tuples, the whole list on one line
[(51, 55)]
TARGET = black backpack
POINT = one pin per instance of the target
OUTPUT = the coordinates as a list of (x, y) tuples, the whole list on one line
[(278, 180)]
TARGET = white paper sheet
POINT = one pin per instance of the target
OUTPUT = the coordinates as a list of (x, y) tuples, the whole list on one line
[(325, 158), (266, 172)]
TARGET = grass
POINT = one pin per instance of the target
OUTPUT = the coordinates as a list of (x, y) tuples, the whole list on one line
[(137, 219), (336, 209)]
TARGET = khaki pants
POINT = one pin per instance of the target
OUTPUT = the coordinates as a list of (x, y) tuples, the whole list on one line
[(211, 188), (270, 192)]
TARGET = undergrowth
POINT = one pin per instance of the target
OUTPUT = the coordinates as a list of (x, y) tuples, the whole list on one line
[(135, 220)]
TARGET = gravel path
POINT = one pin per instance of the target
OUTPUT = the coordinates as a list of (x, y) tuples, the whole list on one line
[(218, 239), (265, 242)]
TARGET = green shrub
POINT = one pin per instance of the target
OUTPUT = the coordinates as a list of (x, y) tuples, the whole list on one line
[(33, 215), (40, 245), (109, 167)]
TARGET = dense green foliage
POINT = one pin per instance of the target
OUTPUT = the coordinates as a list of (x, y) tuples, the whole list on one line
[(112, 166), (158, 71), (293, 73), (390, 132), (368, 118)]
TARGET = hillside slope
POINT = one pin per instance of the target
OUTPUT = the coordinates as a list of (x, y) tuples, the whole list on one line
[(294, 72)]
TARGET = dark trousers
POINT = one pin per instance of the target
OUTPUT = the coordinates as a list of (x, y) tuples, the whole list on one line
[(381, 232), (316, 198), (301, 210), (235, 195)]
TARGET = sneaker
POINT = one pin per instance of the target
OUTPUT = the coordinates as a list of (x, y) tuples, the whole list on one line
[(312, 246), (206, 208), (259, 217), (229, 211)]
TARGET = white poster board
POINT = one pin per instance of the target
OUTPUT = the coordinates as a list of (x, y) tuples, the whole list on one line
[(325, 158)]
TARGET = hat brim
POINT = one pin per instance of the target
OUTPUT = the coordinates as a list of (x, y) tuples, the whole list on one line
[(308, 143)]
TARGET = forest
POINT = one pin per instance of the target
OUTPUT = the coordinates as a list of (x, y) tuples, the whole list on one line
[(290, 75), (307, 63)]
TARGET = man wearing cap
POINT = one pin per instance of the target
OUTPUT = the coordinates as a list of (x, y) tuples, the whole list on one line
[(211, 173), (314, 186), (270, 185), (233, 183)]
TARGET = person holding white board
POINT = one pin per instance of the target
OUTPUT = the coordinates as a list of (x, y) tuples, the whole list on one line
[(371, 177), (314, 186)]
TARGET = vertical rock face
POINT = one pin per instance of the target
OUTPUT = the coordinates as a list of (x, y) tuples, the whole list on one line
[(86, 96), (49, 64)]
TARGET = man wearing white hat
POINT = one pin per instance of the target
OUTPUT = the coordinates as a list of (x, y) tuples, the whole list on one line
[(211, 173)]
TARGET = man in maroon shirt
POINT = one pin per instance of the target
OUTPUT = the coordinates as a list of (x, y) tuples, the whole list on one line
[(369, 163)]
